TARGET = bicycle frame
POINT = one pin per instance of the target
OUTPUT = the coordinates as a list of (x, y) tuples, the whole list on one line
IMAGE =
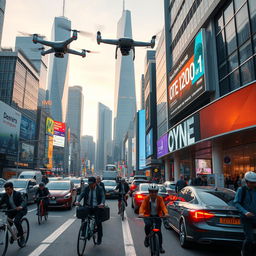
[(88, 221)]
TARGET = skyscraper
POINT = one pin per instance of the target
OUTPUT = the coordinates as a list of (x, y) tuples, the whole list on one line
[(2, 9), (104, 134), (58, 71), (125, 98), (88, 149), (25, 44)]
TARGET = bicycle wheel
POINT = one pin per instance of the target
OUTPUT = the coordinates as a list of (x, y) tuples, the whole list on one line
[(154, 245), (4, 238), (81, 241), (40, 214), (95, 236), (25, 227)]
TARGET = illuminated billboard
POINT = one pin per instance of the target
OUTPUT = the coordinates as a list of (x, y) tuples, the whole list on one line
[(59, 134), (149, 143), (142, 138), (27, 128), (58, 141), (49, 126), (186, 79)]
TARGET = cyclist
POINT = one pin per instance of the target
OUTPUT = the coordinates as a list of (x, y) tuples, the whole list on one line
[(123, 189), (42, 191), (15, 201), (153, 206), (94, 197), (100, 183)]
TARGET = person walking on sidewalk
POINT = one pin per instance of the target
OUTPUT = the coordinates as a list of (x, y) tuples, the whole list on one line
[(245, 202)]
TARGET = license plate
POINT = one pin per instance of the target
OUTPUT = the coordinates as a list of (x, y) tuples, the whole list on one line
[(53, 202), (231, 221)]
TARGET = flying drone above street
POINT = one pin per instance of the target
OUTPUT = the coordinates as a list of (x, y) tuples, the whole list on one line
[(126, 44)]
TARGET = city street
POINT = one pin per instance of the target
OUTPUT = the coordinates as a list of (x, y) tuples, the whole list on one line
[(58, 236)]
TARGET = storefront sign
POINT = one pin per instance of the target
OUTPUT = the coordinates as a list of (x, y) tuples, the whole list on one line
[(10, 120), (27, 128), (49, 126), (162, 146), (184, 134), (59, 128), (186, 79)]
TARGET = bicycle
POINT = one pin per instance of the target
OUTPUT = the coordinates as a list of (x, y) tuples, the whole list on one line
[(122, 206), (154, 243), (87, 231), (41, 210), (7, 226)]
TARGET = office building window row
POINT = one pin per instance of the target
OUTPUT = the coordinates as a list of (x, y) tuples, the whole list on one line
[(235, 28)]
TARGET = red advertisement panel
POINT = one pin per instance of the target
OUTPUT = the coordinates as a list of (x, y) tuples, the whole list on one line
[(59, 127), (233, 112)]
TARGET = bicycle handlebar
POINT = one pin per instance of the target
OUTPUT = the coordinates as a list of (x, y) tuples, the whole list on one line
[(151, 217)]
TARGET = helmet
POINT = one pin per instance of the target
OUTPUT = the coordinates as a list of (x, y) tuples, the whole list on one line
[(41, 184), (153, 187), (250, 176)]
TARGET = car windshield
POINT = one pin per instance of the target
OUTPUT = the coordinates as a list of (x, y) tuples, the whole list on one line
[(26, 176), (86, 180), (162, 189), (76, 181), (219, 198), (137, 182), (109, 183), (19, 183), (58, 185)]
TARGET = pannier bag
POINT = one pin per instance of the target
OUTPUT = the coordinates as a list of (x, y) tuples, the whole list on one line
[(104, 213), (82, 212)]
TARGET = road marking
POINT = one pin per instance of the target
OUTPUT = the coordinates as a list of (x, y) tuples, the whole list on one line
[(128, 241), (51, 238), (32, 210)]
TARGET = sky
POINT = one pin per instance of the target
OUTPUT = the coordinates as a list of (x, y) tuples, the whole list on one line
[(96, 72)]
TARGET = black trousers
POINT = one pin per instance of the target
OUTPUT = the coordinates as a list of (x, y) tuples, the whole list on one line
[(249, 243), (148, 226), (17, 216)]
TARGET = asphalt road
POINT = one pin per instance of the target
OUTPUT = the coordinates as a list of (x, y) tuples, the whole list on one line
[(58, 237)]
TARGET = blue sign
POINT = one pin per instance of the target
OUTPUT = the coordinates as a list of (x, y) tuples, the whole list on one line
[(149, 143), (27, 128), (142, 139)]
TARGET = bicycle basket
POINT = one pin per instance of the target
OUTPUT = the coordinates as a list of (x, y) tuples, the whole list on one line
[(82, 212)]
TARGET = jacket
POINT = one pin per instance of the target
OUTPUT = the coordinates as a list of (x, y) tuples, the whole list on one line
[(17, 198), (42, 193), (126, 187), (100, 195), (145, 207)]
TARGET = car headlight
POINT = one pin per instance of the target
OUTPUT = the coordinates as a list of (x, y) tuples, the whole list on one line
[(67, 195)]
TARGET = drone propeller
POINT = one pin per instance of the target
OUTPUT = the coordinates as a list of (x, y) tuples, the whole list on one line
[(28, 34), (37, 49), (89, 51), (81, 32)]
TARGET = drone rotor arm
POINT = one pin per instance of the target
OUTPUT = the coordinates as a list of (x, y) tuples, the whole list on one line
[(141, 44), (51, 50), (109, 41), (83, 53), (47, 43)]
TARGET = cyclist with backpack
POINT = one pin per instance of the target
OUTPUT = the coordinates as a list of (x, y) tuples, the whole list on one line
[(245, 202)]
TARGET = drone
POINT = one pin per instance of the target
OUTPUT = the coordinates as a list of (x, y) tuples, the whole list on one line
[(59, 48), (126, 44)]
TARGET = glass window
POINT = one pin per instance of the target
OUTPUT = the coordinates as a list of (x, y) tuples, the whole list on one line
[(252, 9), (224, 86), (254, 43), (238, 4), (242, 25), (221, 198), (228, 13), (245, 51), (223, 70), (234, 80), (219, 24), (233, 61), (247, 72), (221, 50), (230, 37)]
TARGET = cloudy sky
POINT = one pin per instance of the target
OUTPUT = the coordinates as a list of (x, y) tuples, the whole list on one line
[(96, 72)]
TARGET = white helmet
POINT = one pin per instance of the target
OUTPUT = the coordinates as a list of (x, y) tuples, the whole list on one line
[(153, 187), (250, 176)]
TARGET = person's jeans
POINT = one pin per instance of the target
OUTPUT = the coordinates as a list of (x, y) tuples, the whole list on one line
[(17, 220), (248, 245), (148, 226)]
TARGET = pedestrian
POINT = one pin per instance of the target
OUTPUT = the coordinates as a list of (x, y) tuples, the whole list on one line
[(100, 183), (198, 180), (245, 202), (180, 184), (45, 180)]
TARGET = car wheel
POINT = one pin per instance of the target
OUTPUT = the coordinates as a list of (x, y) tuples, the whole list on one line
[(166, 224), (184, 243)]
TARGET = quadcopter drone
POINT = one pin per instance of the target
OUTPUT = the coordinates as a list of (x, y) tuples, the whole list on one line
[(126, 44), (59, 48)]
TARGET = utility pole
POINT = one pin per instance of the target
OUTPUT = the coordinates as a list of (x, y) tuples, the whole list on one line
[(63, 10)]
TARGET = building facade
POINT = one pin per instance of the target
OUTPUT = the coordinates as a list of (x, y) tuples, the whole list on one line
[(2, 11), (125, 98), (142, 92), (104, 137), (88, 153), (58, 72), (211, 124)]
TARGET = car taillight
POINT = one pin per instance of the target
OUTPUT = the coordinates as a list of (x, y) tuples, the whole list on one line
[(139, 196), (167, 198), (200, 215), (156, 229), (133, 187)]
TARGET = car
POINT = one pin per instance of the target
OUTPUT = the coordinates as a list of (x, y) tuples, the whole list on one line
[(78, 182), (134, 185), (140, 177), (36, 175), (205, 215), (62, 194), (170, 187), (54, 178), (130, 180), (142, 191), (27, 187), (2, 182), (110, 186)]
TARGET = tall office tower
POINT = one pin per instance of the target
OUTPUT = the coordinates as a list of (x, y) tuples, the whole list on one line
[(26, 45), (58, 72), (2, 9), (142, 92), (74, 121), (125, 98), (104, 134), (88, 149)]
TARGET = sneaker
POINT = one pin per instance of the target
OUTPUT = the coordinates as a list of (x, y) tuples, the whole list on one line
[(22, 239), (146, 242), (162, 250), (99, 240)]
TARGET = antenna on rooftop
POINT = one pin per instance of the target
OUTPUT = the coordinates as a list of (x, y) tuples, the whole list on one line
[(63, 10), (123, 5)]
